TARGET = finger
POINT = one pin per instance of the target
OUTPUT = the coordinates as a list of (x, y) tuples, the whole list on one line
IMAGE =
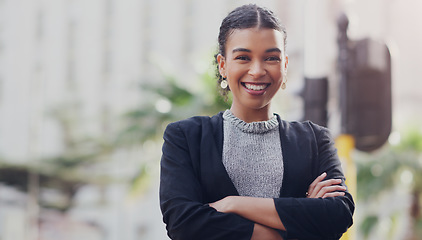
[(315, 182), (334, 194), (323, 184), (329, 189)]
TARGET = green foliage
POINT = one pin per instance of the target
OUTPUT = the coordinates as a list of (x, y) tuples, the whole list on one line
[(216, 101), (368, 224), (418, 227), (177, 95), (140, 125), (376, 173), (139, 183), (412, 141), (148, 122), (384, 170)]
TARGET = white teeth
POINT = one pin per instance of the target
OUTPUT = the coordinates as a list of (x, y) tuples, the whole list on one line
[(255, 87)]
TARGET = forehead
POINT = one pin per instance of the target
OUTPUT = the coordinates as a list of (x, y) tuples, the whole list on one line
[(255, 39)]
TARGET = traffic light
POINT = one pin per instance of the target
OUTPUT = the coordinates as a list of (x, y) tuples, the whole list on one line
[(365, 94), (315, 96), (365, 91)]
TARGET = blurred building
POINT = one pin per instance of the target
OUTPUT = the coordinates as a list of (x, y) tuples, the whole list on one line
[(84, 60)]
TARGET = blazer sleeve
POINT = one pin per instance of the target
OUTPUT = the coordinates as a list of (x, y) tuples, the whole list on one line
[(185, 213), (328, 218)]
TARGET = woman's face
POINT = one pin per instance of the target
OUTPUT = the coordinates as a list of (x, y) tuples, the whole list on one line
[(254, 66)]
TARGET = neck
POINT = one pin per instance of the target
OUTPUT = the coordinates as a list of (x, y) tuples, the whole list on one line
[(252, 115)]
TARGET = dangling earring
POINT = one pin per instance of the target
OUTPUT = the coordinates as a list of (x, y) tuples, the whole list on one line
[(283, 85), (224, 83)]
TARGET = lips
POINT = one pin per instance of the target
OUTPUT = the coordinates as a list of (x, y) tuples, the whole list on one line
[(255, 86)]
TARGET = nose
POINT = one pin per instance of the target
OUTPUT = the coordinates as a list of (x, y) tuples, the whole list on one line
[(257, 69)]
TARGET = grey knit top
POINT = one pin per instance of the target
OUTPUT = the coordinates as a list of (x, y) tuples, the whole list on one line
[(252, 156)]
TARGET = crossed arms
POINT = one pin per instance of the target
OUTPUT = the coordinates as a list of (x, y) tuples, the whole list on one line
[(189, 213), (263, 213)]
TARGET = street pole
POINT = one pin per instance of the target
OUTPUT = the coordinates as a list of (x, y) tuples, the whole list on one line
[(345, 144)]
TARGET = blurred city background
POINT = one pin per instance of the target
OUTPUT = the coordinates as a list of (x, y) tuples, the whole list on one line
[(87, 87)]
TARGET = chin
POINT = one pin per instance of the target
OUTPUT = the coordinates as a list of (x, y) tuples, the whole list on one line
[(258, 106)]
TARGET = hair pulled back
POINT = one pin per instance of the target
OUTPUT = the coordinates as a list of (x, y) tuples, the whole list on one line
[(243, 17)]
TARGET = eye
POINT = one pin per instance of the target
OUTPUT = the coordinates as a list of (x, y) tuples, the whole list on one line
[(242, 58), (273, 59)]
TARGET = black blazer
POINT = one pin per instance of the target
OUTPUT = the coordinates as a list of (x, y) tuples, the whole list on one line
[(192, 175)]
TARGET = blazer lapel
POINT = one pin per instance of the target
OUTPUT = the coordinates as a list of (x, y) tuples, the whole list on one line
[(213, 173), (297, 159), (284, 141)]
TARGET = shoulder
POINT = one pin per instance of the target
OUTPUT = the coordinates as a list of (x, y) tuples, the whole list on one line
[(301, 126), (303, 129)]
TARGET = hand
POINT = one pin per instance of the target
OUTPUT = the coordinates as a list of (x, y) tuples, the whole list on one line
[(327, 188)]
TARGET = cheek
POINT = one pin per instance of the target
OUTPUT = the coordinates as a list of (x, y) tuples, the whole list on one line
[(236, 70), (277, 74), (278, 84)]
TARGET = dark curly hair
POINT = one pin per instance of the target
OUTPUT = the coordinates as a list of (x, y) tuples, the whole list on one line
[(246, 16)]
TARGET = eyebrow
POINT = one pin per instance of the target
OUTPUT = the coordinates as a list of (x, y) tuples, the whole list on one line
[(247, 50), (241, 50), (273, 50)]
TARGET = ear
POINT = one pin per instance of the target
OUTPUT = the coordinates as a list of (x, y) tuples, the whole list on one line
[(221, 65), (286, 63)]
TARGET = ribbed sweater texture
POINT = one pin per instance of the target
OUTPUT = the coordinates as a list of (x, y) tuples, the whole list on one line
[(252, 156)]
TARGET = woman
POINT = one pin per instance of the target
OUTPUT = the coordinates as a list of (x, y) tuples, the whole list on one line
[(245, 173)]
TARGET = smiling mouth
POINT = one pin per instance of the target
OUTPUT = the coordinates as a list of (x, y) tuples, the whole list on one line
[(256, 87)]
